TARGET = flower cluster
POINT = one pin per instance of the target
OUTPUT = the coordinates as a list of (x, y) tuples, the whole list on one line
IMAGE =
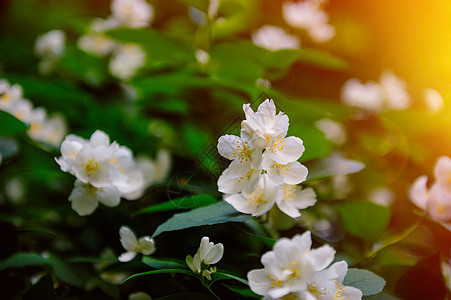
[(435, 201), (207, 254), (42, 129), (264, 146), (144, 245), (49, 47), (308, 15), (294, 269), (389, 93), (107, 171), (126, 58)]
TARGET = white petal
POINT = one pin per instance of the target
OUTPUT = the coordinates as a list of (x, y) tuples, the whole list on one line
[(214, 254), (321, 257), (82, 203), (418, 192), (267, 108), (146, 245), (227, 145), (128, 238), (303, 242), (99, 138), (439, 203), (295, 173), (287, 208), (204, 247), (189, 262), (259, 282), (109, 196), (340, 268), (240, 203), (304, 198), (442, 170), (127, 256), (287, 151)]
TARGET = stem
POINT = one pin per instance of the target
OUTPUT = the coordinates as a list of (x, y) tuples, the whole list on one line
[(207, 286)]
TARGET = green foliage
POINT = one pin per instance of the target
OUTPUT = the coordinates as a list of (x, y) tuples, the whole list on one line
[(218, 213), (366, 281), (10, 125)]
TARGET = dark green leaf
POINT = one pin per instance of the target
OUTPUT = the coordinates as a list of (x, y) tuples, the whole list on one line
[(165, 271), (363, 219), (243, 292), (366, 281), (221, 212), (163, 264), (188, 202), (22, 259), (224, 276), (10, 124)]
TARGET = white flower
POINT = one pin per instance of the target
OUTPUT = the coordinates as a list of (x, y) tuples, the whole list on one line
[(85, 197), (21, 109), (308, 15), (334, 131), (295, 198), (202, 57), (9, 94), (162, 163), (48, 130), (259, 201), (207, 254), (275, 38), (442, 171), (433, 99), (69, 149), (263, 126), (290, 267), (144, 245), (244, 170), (368, 96), (95, 42), (51, 44), (132, 13), (126, 61), (395, 93), (289, 173)]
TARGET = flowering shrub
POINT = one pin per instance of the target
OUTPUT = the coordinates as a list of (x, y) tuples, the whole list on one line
[(224, 149)]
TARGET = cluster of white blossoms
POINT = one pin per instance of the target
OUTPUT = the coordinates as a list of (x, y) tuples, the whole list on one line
[(389, 93), (126, 58), (275, 38), (436, 200), (309, 15), (207, 254), (295, 271), (42, 129), (49, 47), (107, 171), (264, 147), (133, 245)]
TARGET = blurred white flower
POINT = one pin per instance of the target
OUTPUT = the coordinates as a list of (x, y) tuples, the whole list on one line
[(433, 100), (290, 267), (207, 254), (368, 96), (395, 91), (295, 198), (95, 42), (309, 16), (275, 38), (132, 13), (50, 45), (139, 296), (144, 245), (163, 164), (48, 130), (436, 201), (15, 190), (334, 131), (260, 200), (126, 61), (202, 57), (382, 196), (85, 197), (9, 94)]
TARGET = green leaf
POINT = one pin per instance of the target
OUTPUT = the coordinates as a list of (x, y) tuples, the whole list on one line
[(363, 219), (165, 271), (193, 201), (269, 242), (331, 166), (224, 276), (282, 59), (364, 280), (221, 212), (23, 259), (243, 292), (323, 59), (10, 124), (163, 264)]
